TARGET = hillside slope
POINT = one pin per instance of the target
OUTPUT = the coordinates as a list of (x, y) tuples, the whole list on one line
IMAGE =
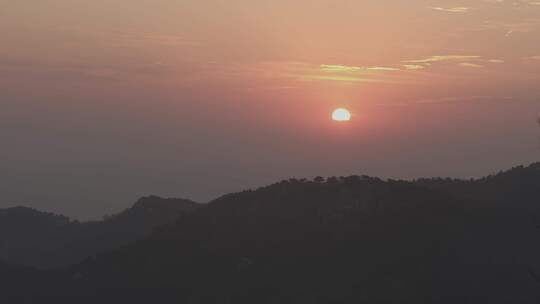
[(34, 238), (342, 240), (339, 240)]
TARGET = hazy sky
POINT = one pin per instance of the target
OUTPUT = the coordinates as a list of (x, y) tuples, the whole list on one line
[(102, 102)]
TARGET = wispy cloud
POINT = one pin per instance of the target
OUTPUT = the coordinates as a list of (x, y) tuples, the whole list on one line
[(470, 65), (469, 61), (414, 67), (464, 99), (339, 68), (515, 3), (387, 69), (441, 58), (345, 73), (459, 9), (339, 78), (353, 69), (397, 73), (306, 72)]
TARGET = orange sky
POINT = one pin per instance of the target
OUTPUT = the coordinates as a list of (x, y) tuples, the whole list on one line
[(103, 101)]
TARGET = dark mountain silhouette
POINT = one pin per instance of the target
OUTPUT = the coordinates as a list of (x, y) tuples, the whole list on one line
[(33, 238), (338, 240), (518, 187)]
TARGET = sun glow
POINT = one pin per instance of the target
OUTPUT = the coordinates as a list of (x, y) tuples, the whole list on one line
[(341, 115)]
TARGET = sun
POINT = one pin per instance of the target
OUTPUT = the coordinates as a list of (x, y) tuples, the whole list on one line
[(341, 115)]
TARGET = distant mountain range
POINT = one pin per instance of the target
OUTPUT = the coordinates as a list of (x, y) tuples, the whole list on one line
[(34, 238), (353, 239)]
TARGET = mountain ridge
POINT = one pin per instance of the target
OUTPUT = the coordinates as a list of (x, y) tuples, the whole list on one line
[(41, 239), (349, 239)]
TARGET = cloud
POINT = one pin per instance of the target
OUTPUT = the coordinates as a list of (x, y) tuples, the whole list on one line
[(470, 65), (388, 69), (353, 69), (516, 3), (389, 73), (339, 78), (464, 99), (460, 9), (414, 67), (306, 72), (466, 59), (470, 61), (441, 58), (345, 73), (339, 68), (303, 71)]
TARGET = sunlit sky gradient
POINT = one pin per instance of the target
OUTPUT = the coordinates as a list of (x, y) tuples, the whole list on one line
[(105, 101)]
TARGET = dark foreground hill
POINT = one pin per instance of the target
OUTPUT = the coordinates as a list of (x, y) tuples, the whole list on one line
[(34, 238), (339, 240)]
